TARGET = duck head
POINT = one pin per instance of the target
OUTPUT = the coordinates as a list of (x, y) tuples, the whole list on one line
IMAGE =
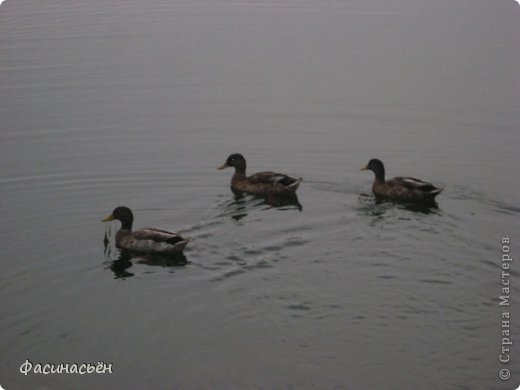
[(237, 161), (375, 165), (123, 214)]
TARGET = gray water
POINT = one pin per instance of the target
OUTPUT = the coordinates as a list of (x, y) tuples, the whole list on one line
[(107, 103)]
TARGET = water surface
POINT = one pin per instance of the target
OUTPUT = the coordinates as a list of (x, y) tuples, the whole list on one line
[(137, 103)]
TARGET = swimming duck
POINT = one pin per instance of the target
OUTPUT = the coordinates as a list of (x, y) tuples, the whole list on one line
[(406, 189), (262, 183), (147, 240)]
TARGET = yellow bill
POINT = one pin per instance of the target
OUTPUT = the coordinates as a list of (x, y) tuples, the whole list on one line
[(107, 219)]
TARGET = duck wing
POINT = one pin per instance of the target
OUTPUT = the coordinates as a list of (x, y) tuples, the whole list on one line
[(413, 184), (158, 235), (272, 178)]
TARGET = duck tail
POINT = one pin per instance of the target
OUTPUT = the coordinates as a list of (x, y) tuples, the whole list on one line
[(181, 244), (436, 192), (294, 186), (296, 183)]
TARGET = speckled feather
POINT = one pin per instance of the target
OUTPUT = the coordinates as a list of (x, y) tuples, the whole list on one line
[(266, 183), (151, 240), (406, 188)]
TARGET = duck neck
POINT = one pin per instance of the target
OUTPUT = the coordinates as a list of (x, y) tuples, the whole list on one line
[(126, 224), (240, 172), (380, 175)]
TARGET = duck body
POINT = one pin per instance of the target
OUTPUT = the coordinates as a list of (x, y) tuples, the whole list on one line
[(150, 240), (146, 240), (265, 183), (262, 183), (406, 189)]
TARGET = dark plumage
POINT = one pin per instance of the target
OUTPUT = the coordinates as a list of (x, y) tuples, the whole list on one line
[(262, 183), (146, 240), (406, 189)]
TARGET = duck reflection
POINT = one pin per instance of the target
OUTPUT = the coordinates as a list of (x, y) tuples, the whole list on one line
[(287, 201), (120, 265), (242, 202), (423, 207), (379, 205)]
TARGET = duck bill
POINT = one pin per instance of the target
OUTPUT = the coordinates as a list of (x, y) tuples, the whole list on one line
[(223, 166), (107, 219), (365, 168)]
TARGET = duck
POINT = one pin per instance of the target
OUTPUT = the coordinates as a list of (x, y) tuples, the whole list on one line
[(407, 189), (262, 183), (146, 240)]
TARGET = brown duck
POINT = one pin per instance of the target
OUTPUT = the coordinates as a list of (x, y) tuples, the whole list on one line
[(147, 240), (262, 183), (406, 189)]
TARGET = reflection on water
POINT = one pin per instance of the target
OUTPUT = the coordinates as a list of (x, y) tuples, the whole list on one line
[(127, 259), (275, 200), (241, 203), (378, 206), (133, 102), (422, 207), (284, 202), (120, 266)]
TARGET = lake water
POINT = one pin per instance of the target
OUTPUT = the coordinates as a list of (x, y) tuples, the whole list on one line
[(107, 103)]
